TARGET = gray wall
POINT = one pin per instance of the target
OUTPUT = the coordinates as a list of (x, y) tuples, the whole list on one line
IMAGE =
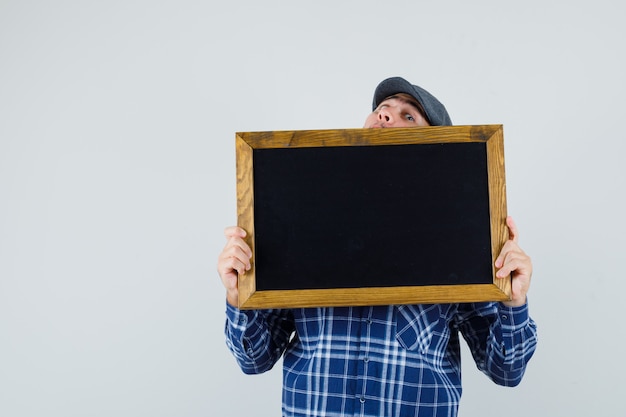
[(117, 177)]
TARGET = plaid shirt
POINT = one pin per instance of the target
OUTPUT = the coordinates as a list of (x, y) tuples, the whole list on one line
[(380, 361)]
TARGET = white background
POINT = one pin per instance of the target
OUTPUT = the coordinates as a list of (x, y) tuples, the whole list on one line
[(117, 177)]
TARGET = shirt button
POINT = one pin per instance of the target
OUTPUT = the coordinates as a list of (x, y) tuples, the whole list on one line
[(366, 359), (505, 317), (362, 400)]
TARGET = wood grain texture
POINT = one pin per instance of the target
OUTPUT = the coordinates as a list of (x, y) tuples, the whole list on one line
[(497, 202), (492, 135), (375, 296), (245, 212), (367, 137)]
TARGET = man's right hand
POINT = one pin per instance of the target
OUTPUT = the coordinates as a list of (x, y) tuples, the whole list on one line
[(233, 261)]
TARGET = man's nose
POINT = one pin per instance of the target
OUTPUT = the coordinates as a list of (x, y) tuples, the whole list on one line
[(385, 116)]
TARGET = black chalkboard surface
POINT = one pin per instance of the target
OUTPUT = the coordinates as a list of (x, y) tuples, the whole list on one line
[(343, 217)]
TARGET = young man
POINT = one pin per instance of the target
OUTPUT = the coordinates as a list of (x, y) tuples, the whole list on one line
[(397, 360)]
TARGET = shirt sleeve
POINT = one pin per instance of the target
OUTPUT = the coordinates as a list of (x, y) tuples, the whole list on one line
[(257, 338), (502, 339)]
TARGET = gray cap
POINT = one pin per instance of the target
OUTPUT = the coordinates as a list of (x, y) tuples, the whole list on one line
[(436, 113)]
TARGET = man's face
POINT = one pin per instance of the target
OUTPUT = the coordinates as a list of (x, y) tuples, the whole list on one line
[(395, 112)]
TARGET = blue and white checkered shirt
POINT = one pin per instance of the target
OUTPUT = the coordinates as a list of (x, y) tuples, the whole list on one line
[(380, 361)]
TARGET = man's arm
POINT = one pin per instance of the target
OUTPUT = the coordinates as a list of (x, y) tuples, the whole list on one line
[(501, 336), (257, 338), (502, 339)]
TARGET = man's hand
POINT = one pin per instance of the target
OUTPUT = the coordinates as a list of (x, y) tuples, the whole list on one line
[(513, 260), (234, 260)]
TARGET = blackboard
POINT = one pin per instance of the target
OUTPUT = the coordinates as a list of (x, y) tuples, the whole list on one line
[(364, 216)]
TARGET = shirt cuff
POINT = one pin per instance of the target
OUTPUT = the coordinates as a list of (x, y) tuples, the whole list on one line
[(513, 316), (239, 318)]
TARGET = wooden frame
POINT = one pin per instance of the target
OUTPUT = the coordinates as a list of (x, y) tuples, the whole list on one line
[(252, 146)]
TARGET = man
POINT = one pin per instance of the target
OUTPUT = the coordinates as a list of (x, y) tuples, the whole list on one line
[(401, 360)]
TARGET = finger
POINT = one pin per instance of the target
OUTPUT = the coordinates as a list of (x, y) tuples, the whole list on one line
[(234, 231), (232, 266), (513, 233), (237, 250), (235, 236), (235, 245), (509, 266), (509, 246), (516, 262)]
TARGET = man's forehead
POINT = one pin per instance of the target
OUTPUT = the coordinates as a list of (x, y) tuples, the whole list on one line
[(407, 98), (401, 96)]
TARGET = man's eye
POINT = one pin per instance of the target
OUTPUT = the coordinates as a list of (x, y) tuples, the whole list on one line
[(409, 117)]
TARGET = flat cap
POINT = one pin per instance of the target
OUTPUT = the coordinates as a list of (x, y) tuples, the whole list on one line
[(436, 113)]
